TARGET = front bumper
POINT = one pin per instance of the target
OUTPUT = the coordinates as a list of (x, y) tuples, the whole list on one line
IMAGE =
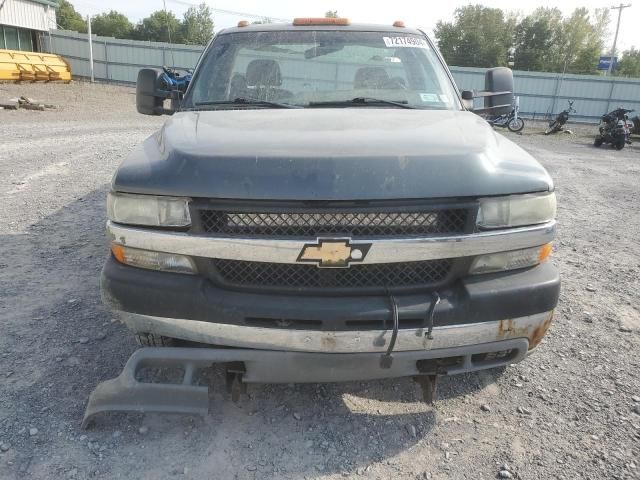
[(470, 300), (476, 311), (531, 329), (482, 322)]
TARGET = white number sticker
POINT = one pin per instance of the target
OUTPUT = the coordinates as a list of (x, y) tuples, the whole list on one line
[(405, 42), (429, 97)]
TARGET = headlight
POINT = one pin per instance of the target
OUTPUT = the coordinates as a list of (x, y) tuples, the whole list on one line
[(513, 260), (165, 262), (516, 210), (148, 210)]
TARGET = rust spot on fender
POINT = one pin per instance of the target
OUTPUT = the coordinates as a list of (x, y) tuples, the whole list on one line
[(538, 333)]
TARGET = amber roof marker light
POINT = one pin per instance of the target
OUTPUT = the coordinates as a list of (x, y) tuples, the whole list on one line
[(399, 24), (300, 22), (243, 23)]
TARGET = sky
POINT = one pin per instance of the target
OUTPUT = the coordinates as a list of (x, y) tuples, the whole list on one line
[(422, 14)]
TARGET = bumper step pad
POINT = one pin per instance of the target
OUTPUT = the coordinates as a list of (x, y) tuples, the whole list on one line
[(126, 393)]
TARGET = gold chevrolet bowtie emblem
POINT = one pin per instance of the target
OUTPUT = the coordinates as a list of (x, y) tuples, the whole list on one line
[(333, 253)]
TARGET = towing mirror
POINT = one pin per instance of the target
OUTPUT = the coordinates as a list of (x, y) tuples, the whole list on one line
[(498, 93), (499, 83), (149, 95)]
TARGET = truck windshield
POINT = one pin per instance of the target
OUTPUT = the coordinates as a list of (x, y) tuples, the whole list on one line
[(321, 68)]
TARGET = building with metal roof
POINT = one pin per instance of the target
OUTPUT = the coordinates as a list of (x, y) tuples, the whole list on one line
[(22, 20)]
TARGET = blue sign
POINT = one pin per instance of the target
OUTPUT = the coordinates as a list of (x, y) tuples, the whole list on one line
[(604, 62)]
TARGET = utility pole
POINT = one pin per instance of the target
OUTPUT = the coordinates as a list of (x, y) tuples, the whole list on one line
[(166, 16), (615, 38), (90, 48)]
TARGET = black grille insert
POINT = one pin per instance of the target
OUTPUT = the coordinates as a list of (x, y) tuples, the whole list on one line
[(339, 222), (244, 274)]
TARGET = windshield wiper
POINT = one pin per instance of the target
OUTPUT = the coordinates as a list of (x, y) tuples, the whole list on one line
[(247, 101), (367, 101)]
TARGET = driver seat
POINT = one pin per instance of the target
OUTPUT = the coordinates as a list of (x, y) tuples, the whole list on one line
[(263, 77), (370, 78)]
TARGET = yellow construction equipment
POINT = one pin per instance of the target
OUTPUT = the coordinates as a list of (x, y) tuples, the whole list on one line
[(16, 66)]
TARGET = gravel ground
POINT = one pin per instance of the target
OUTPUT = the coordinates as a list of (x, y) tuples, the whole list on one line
[(572, 410)]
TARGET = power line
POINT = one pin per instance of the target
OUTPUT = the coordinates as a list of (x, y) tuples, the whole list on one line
[(233, 12)]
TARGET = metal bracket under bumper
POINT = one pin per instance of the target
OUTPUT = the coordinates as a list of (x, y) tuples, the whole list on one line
[(127, 394)]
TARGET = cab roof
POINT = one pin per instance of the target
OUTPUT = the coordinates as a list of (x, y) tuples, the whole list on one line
[(354, 27)]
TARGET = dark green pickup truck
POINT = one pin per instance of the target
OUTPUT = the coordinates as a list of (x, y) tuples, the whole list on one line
[(323, 205)]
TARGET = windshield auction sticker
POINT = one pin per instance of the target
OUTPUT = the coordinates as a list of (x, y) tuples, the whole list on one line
[(405, 42), (429, 97)]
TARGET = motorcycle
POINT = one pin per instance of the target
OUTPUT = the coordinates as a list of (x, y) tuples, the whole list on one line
[(172, 79), (509, 120), (615, 128), (557, 123)]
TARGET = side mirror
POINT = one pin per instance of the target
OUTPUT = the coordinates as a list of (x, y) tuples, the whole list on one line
[(467, 99), (149, 96), (498, 85)]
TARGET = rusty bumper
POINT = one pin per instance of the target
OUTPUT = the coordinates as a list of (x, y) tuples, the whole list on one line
[(530, 327)]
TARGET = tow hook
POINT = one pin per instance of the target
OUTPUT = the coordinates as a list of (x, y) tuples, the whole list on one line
[(429, 386), (235, 385), (387, 359), (435, 300), (431, 371)]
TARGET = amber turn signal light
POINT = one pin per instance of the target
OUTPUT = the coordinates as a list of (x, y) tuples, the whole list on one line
[(545, 252), (118, 252), (299, 22)]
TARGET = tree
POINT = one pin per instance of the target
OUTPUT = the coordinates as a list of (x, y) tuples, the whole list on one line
[(577, 30), (160, 26), (112, 24), (197, 25), (588, 54), (629, 65), (69, 19), (539, 41), (331, 14), (478, 37), (542, 41)]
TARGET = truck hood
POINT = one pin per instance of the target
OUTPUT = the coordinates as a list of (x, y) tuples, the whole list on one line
[(329, 154)]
